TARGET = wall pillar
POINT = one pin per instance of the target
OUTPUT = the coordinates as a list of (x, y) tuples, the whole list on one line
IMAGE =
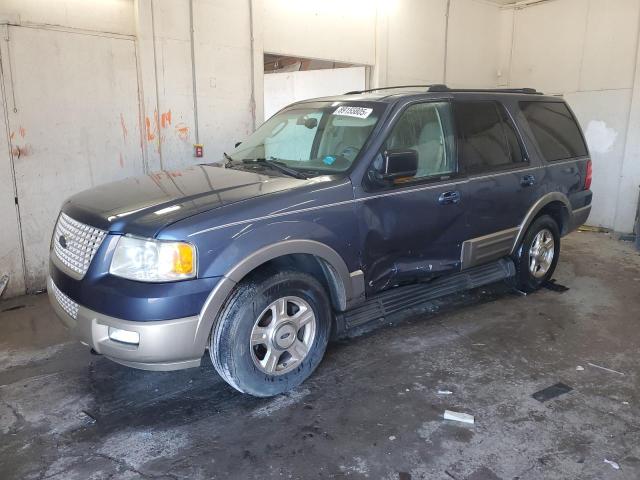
[(629, 186)]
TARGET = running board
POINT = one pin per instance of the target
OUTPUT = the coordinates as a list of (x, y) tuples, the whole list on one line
[(411, 296)]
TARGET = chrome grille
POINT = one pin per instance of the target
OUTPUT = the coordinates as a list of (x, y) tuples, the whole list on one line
[(65, 302), (79, 243)]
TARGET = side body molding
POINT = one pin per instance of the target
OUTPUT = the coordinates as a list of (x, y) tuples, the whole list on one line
[(536, 208), (480, 250), (349, 291)]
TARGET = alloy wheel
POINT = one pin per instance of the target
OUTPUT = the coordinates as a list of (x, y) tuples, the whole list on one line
[(282, 335)]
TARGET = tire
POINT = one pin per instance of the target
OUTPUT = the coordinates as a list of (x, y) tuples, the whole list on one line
[(535, 266), (261, 344)]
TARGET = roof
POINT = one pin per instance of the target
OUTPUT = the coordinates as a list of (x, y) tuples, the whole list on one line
[(392, 94)]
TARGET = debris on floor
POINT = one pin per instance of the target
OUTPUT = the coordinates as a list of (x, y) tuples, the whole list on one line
[(458, 417), (613, 464), (392, 438), (580, 368), (605, 368), (13, 309), (588, 228), (627, 237), (445, 392), (552, 392), (4, 280), (87, 418), (554, 286)]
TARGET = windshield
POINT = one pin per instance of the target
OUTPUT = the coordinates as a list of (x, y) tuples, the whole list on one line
[(322, 137)]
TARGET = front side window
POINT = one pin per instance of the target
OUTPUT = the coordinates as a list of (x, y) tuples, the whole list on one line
[(488, 140), (555, 130), (321, 138), (427, 129)]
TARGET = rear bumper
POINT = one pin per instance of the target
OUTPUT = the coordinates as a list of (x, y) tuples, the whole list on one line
[(163, 345), (579, 217)]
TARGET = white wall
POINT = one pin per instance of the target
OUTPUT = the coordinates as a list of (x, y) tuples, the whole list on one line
[(413, 39), (114, 16), (585, 50), (282, 89), (474, 40), (339, 30), (10, 246)]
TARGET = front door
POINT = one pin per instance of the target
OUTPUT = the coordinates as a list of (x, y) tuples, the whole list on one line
[(413, 228)]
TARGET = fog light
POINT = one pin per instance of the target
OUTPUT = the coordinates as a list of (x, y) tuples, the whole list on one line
[(124, 336)]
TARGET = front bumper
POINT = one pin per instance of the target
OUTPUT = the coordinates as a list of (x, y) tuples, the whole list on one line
[(164, 345)]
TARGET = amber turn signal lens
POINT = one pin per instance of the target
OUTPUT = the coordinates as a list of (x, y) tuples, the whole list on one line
[(183, 257)]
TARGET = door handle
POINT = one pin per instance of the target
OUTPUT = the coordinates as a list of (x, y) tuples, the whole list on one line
[(449, 197), (527, 180)]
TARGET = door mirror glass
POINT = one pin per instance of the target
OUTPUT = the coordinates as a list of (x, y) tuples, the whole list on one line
[(397, 164)]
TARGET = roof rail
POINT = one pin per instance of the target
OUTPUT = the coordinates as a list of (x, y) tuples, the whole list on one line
[(444, 88), (434, 88), (356, 92)]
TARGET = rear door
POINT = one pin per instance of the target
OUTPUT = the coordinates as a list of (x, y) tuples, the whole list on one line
[(501, 183), (413, 228)]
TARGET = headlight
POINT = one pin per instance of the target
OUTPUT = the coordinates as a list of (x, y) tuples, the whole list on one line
[(153, 260)]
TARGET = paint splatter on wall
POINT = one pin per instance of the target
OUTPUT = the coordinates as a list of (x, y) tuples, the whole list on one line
[(182, 131), (599, 136)]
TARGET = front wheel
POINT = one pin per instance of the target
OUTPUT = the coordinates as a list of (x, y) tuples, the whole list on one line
[(272, 332), (538, 254)]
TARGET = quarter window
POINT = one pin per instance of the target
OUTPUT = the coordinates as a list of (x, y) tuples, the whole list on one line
[(427, 129), (555, 130), (488, 140)]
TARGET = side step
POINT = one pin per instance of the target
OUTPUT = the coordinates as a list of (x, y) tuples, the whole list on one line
[(411, 296)]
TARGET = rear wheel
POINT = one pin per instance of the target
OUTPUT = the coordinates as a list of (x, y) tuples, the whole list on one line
[(272, 332), (538, 254)]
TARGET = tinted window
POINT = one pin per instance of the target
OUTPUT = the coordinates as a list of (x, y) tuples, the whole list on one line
[(554, 128), (488, 140), (427, 129)]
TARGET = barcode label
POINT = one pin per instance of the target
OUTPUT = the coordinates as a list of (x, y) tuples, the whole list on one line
[(357, 112)]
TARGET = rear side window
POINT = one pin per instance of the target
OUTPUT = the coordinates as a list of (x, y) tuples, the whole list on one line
[(488, 140), (555, 130)]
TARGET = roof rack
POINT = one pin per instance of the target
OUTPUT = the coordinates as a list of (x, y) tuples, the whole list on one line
[(444, 88), (356, 92), (434, 88)]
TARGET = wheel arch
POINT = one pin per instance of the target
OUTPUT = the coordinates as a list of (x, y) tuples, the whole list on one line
[(556, 205), (323, 262)]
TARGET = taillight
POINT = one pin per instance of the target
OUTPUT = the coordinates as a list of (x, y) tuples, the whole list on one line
[(588, 177)]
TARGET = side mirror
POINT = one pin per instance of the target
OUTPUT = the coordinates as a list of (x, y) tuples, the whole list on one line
[(309, 122), (237, 144), (398, 164)]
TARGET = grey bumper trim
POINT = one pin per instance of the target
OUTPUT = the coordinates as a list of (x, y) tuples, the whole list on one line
[(579, 217), (164, 345)]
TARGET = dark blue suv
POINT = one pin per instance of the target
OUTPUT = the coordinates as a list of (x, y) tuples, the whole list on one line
[(335, 212)]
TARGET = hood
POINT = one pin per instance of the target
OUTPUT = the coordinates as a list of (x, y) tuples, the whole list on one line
[(143, 205)]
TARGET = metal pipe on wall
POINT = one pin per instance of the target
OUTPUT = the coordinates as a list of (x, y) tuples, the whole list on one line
[(193, 74)]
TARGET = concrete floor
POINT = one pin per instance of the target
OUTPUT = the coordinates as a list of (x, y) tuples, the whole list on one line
[(372, 408)]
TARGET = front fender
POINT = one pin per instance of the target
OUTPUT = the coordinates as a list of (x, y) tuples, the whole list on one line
[(237, 250)]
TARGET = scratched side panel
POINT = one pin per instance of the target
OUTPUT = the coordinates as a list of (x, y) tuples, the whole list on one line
[(75, 125)]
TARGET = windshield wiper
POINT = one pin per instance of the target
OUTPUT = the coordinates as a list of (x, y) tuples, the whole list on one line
[(277, 165)]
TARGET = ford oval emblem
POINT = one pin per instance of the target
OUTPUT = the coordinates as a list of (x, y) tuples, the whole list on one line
[(62, 241)]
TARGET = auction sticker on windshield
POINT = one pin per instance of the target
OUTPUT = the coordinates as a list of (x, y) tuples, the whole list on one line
[(358, 112)]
